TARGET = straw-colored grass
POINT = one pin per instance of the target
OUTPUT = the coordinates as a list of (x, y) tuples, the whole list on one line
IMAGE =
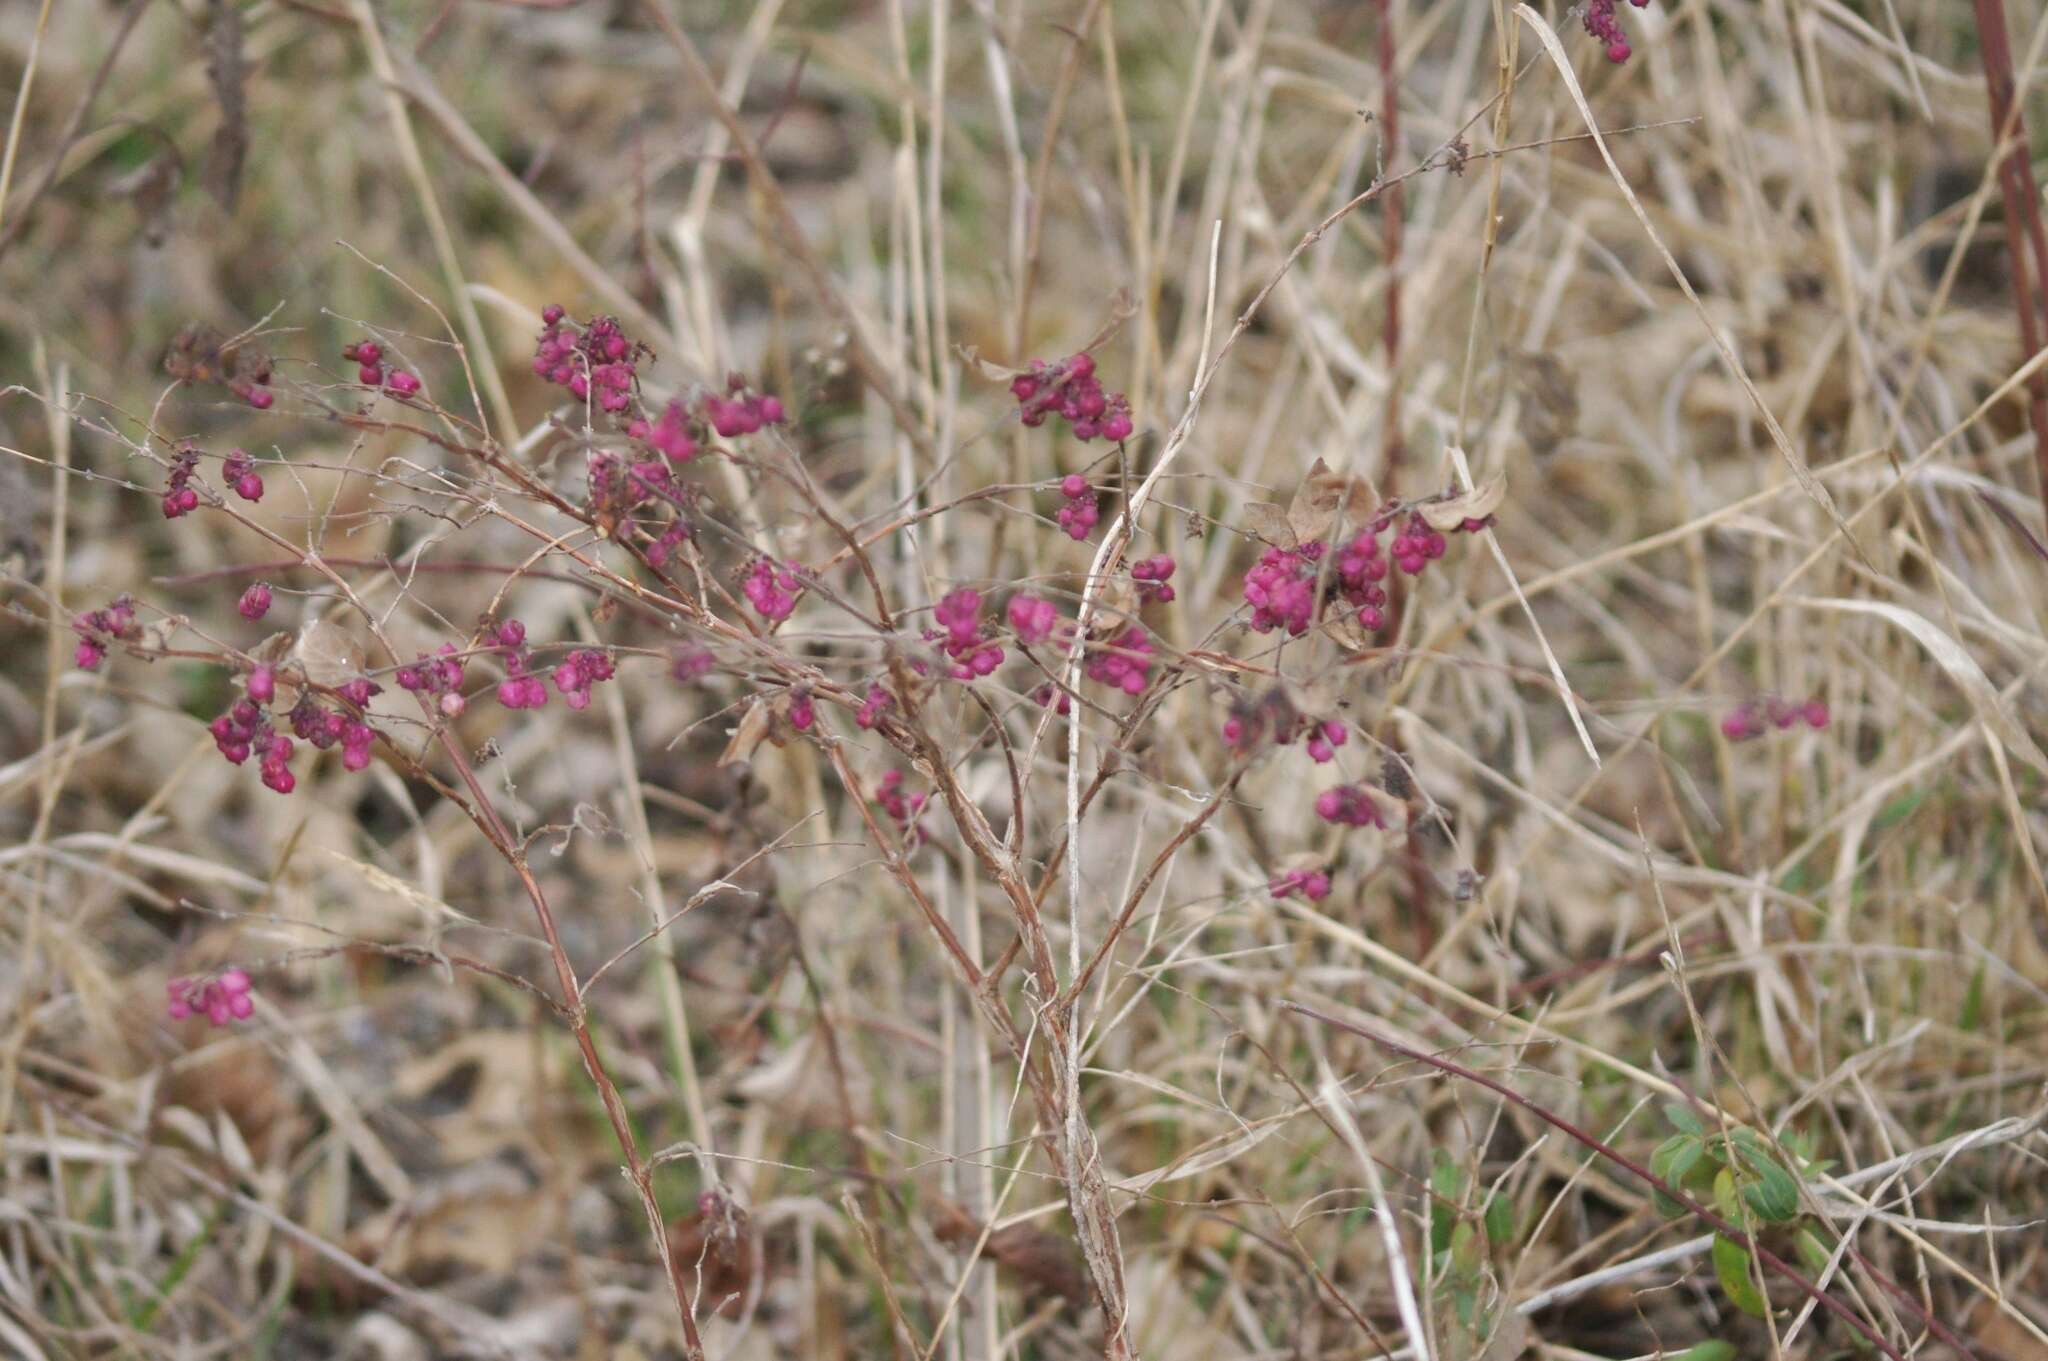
[(1747, 360)]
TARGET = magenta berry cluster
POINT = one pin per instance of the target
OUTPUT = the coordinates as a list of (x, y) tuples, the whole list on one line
[(1079, 514), (1152, 575), (245, 730), (1032, 619), (1601, 22), (99, 629), (596, 361), (693, 664), (324, 727), (439, 675), (371, 371), (669, 434), (1070, 390), (772, 587), (238, 470), (1273, 717), (581, 670), (1125, 661), (179, 496), (618, 488), (521, 688), (220, 1000), (1350, 805), (740, 411), (960, 635), (901, 806), (873, 705), (1759, 716), (1282, 586), (1313, 885)]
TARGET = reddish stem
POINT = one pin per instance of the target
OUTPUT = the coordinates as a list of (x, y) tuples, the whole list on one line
[(2022, 212)]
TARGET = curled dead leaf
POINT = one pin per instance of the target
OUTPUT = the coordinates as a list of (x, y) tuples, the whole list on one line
[(753, 729), (1323, 497), (1475, 504)]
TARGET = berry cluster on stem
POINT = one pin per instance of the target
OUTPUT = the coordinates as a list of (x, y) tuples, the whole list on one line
[(1070, 390)]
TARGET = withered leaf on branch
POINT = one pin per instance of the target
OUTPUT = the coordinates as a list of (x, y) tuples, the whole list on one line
[(1323, 496), (1476, 504), (753, 729), (1042, 1261)]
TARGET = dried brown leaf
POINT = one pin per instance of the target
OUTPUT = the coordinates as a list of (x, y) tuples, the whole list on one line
[(1323, 497), (1476, 504), (754, 728)]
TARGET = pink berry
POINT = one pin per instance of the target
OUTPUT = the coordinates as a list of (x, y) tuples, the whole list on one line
[(261, 398), (370, 375), (263, 684), (1815, 712), (255, 602), (1073, 486), (402, 383)]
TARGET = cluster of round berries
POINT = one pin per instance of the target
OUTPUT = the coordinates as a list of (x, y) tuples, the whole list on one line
[(238, 470), (1601, 23), (597, 358), (1125, 661), (961, 637), (1281, 587), (1079, 514), (873, 705), (580, 670), (617, 488), (693, 664), (1032, 619), (97, 630), (179, 496), (1071, 391), (224, 999), (1759, 716), (668, 435), (440, 674), (772, 588), (664, 545), (1349, 805), (521, 688), (1152, 575), (1313, 885), (743, 412), (901, 807), (244, 728), (255, 602), (368, 357), (1273, 716), (323, 727)]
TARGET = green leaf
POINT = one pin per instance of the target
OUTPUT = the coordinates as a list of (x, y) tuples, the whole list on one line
[(1774, 1196), (1725, 1198), (1465, 1249), (1445, 1180), (1684, 1118), (1731, 1266), (1669, 1208), (1686, 1161), (1713, 1349), (1500, 1220), (1660, 1161), (1973, 1002), (1813, 1250)]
